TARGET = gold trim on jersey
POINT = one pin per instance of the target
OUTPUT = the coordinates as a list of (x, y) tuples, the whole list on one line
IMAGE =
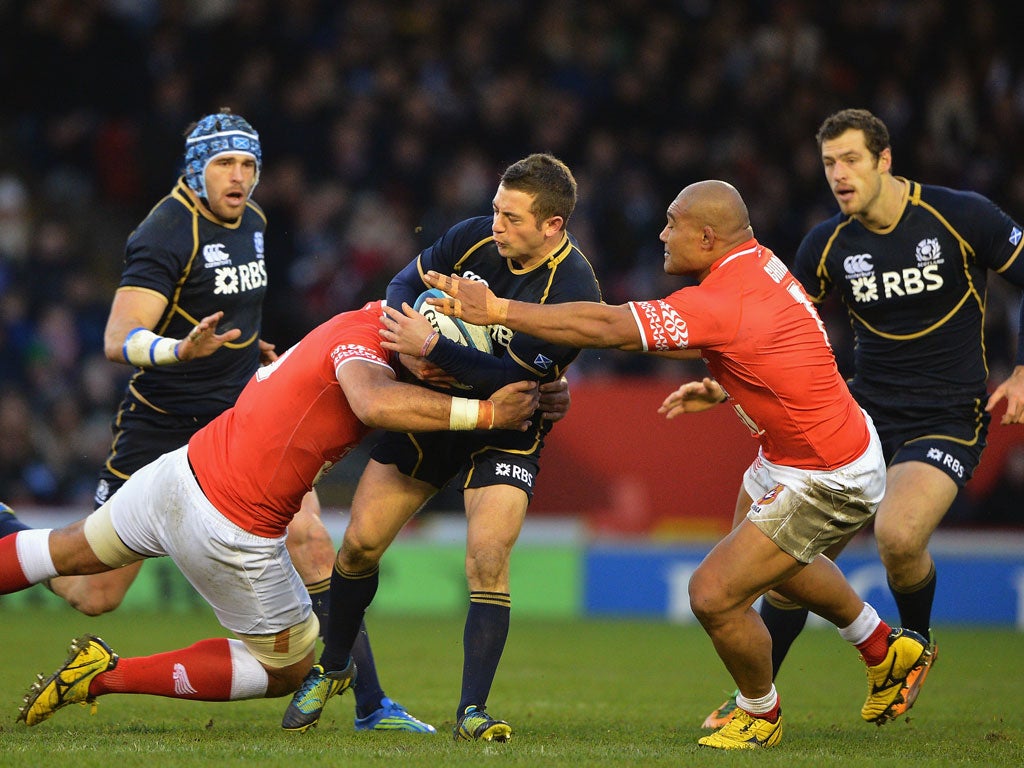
[(141, 399), (142, 289), (925, 331)]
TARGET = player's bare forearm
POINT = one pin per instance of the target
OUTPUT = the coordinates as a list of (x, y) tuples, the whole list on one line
[(379, 401), (574, 324)]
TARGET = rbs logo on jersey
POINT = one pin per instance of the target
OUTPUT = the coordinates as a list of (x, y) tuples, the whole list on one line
[(244, 277), (866, 286)]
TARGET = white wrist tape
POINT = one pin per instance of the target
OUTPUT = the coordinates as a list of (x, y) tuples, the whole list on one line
[(464, 414), (143, 347)]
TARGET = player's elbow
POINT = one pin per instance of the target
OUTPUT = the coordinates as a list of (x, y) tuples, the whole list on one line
[(371, 411), (113, 350)]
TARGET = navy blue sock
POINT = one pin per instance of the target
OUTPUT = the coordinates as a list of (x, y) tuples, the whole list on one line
[(350, 594), (784, 624), (915, 605), (483, 641), (320, 595), (367, 688)]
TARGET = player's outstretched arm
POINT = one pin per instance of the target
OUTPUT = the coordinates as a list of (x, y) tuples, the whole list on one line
[(693, 397), (1012, 390), (574, 323), (129, 338)]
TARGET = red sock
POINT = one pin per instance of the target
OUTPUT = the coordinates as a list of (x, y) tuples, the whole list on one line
[(876, 647), (12, 577), (201, 672), (772, 715)]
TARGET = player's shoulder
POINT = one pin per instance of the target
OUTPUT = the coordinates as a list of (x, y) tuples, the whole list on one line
[(569, 276), (946, 198), (459, 241), (968, 212), (167, 225), (471, 230)]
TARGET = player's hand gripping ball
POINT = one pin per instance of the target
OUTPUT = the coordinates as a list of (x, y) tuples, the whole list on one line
[(466, 334)]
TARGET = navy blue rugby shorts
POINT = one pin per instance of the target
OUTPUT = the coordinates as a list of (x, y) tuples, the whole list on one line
[(468, 460), (948, 435)]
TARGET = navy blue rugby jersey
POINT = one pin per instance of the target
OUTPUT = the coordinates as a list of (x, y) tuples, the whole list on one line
[(915, 293), (200, 265), (468, 250)]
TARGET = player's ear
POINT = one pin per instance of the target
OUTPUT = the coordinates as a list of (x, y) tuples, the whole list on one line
[(554, 225), (885, 160)]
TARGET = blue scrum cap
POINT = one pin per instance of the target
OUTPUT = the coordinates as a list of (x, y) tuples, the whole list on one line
[(217, 135)]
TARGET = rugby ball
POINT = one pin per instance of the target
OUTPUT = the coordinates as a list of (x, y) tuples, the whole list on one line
[(466, 334)]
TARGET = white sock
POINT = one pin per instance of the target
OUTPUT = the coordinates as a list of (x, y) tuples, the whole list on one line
[(759, 706), (33, 548), (862, 627), (248, 677)]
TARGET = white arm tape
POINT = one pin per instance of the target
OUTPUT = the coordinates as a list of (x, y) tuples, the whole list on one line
[(464, 414), (144, 348)]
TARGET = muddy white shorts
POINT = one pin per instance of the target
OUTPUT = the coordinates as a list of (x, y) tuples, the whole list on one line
[(804, 512)]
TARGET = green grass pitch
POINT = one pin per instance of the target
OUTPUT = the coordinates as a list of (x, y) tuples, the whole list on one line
[(578, 693)]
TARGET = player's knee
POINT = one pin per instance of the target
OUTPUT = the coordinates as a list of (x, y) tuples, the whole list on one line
[(357, 555), (896, 547), (706, 601), (487, 569)]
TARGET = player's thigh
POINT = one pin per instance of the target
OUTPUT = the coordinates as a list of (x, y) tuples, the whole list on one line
[(741, 567), (384, 501), (917, 497), (247, 579)]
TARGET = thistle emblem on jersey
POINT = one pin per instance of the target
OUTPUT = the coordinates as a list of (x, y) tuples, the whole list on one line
[(928, 251)]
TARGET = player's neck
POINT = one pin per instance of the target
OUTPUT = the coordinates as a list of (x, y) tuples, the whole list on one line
[(892, 199)]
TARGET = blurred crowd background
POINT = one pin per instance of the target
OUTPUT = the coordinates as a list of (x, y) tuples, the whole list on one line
[(383, 123)]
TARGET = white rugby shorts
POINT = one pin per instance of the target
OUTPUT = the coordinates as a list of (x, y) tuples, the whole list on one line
[(248, 580), (804, 512)]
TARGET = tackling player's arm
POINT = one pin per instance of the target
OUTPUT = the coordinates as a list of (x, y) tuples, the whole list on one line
[(379, 400), (129, 338), (575, 323), (693, 397)]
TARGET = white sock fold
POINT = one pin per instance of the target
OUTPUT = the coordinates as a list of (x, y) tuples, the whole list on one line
[(760, 705), (862, 627)]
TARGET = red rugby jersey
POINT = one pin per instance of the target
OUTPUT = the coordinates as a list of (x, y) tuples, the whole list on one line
[(291, 424), (764, 343)]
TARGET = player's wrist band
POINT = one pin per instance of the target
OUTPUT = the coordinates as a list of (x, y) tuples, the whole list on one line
[(469, 414), (144, 348), (426, 343)]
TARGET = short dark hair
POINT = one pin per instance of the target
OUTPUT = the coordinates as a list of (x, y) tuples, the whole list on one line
[(876, 135), (549, 180)]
